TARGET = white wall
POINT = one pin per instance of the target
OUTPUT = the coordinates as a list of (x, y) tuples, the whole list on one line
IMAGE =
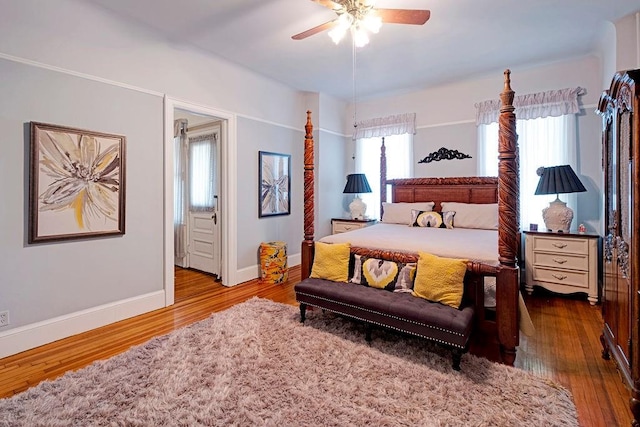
[(68, 63), (628, 42)]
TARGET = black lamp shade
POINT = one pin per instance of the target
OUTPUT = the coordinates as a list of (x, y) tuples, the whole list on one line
[(357, 183), (559, 179)]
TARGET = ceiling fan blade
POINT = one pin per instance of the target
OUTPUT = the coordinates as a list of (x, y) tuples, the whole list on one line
[(315, 30), (404, 16)]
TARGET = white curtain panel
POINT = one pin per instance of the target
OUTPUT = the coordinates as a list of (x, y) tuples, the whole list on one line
[(553, 103), (179, 186), (548, 141), (399, 154), (386, 126), (202, 160)]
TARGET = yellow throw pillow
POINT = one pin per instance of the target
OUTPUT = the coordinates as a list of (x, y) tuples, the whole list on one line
[(440, 279), (331, 261)]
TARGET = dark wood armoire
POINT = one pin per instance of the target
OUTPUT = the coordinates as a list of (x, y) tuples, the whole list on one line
[(620, 110)]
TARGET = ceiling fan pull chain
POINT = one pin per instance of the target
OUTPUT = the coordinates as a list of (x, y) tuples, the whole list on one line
[(355, 118)]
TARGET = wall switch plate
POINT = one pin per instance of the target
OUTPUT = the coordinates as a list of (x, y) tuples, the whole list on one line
[(4, 318)]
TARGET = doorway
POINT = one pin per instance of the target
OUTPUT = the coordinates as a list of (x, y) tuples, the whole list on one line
[(211, 231), (197, 218)]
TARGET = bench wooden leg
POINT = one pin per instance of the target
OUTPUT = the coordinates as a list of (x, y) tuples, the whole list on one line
[(457, 357), (367, 329), (303, 312)]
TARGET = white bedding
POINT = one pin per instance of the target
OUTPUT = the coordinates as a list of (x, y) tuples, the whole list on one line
[(466, 243)]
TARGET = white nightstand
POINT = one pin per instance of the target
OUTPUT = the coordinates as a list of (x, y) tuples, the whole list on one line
[(562, 262), (340, 225)]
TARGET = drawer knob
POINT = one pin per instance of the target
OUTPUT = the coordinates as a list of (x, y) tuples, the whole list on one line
[(559, 245), (560, 276), (559, 260)]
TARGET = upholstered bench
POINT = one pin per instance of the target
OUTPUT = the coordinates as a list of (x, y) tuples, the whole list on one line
[(401, 311)]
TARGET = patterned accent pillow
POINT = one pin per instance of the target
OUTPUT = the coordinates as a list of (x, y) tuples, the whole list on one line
[(406, 278), (432, 219), (383, 274)]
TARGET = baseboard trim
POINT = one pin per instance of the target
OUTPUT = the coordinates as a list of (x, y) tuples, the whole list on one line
[(34, 335), (253, 272)]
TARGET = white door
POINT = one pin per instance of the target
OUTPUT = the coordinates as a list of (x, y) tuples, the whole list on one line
[(203, 249)]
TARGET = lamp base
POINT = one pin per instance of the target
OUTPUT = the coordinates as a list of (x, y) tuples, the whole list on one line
[(357, 208), (558, 216)]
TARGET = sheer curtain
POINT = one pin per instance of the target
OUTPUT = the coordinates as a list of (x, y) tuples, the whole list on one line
[(202, 160), (399, 153), (546, 137), (179, 187), (397, 132)]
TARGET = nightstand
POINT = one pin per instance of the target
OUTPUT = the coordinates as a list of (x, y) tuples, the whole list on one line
[(340, 225), (562, 262)]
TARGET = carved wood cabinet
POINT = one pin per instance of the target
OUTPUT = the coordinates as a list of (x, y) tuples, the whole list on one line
[(619, 107)]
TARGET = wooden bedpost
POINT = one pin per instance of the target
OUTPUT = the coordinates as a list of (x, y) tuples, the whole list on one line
[(509, 229), (383, 175), (307, 243)]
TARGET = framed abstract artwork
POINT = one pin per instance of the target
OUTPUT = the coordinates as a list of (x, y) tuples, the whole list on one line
[(76, 183), (275, 184)]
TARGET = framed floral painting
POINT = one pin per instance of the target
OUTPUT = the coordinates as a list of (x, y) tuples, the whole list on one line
[(275, 184), (76, 183)]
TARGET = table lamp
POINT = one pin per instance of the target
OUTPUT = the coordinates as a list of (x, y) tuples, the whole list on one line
[(555, 180), (357, 183)]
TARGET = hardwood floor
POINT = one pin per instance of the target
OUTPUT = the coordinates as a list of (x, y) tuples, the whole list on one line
[(566, 346)]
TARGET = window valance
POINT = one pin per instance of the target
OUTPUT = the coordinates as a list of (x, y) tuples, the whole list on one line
[(386, 126), (553, 103)]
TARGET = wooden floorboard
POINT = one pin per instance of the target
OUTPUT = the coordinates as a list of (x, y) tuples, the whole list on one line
[(565, 348)]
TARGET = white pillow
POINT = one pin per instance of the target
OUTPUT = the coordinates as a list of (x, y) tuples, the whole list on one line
[(473, 215), (400, 213)]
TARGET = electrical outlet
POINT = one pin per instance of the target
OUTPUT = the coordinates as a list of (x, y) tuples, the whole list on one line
[(4, 318)]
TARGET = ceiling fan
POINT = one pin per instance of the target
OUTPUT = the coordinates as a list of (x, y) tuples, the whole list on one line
[(361, 16)]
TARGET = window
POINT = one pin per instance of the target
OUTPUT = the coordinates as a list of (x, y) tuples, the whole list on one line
[(547, 141), (399, 154), (202, 176), (545, 125)]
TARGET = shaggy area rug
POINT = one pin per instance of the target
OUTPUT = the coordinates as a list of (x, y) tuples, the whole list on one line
[(256, 365)]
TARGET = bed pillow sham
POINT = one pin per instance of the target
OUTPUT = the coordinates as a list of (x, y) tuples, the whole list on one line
[(432, 219), (331, 261), (474, 215), (400, 213)]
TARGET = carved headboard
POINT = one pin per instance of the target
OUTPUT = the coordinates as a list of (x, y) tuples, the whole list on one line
[(462, 190)]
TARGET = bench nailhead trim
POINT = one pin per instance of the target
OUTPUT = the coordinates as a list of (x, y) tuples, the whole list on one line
[(387, 315)]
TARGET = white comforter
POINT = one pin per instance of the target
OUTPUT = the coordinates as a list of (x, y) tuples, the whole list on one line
[(464, 243)]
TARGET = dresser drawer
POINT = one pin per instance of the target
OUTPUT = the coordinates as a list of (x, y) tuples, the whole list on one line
[(561, 260), (561, 245), (578, 279), (341, 227)]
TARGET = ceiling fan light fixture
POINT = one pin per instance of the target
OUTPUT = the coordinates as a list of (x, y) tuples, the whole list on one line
[(360, 36), (345, 21), (362, 18), (372, 23), (337, 34)]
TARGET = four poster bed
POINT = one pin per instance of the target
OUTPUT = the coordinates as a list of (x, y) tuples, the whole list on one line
[(499, 262)]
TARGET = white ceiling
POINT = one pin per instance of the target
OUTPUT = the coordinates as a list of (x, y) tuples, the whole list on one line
[(463, 38)]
